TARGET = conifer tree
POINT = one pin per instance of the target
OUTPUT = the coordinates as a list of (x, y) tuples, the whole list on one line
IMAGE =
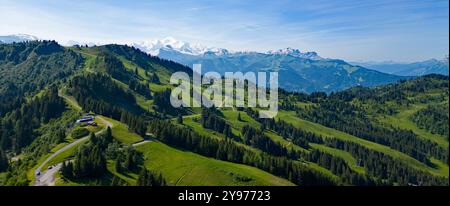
[(180, 119), (3, 161)]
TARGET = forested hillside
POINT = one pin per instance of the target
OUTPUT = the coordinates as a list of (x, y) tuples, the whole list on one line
[(26, 68), (396, 134)]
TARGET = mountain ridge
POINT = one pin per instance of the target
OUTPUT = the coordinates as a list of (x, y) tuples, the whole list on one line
[(299, 71), (17, 38), (431, 66)]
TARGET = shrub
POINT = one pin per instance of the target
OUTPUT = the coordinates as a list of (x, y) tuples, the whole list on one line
[(79, 132)]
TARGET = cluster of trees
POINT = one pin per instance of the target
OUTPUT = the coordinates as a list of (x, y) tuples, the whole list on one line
[(127, 159), (426, 83), (99, 93), (288, 131), (144, 60), (8, 103), (4, 162), (17, 126), (347, 118), (140, 88), (385, 167), (434, 119), (89, 163), (211, 120), (256, 138), (301, 138), (28, 67), (113, 66), (48, 135), (228, 150), (397, 92), (136, 123), (148, 178), (79, 132), (153, 77), (339, 167), (90, 160), (163, 105)]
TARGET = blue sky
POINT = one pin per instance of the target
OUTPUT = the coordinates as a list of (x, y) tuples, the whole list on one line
[(399, 30)]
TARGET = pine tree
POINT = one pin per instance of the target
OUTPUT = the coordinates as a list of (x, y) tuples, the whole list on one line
[(67, 170), (3, 161), (118, 165), (155, 79), (147, 178), (93, 138), (161, 180), (143, 178), (108, 135), (116, 181), (180, 119), (61, 135)]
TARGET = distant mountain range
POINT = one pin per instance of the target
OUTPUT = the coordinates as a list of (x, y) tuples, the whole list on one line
[(298, 71), (153, 47), (17, 38), (409, 69)]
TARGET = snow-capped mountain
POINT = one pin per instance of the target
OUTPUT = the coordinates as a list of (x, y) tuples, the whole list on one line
[(295, 53), (154, 47), (73, 43), (170, 44), (17, 38), (298, 71)]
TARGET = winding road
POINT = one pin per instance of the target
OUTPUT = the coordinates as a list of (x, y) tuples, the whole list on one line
[(47, 177)]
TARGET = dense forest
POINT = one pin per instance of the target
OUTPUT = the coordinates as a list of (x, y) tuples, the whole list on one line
[(16, 128), (99, 93), (26, 68), (342, 116), (433, 119)]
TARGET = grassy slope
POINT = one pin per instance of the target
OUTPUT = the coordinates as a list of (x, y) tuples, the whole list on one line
[(347, 157), (328, 132), (403, 120), (121, 133), (231, 117), (288, 144), (187, 168), (176, 164), (173, 163)]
